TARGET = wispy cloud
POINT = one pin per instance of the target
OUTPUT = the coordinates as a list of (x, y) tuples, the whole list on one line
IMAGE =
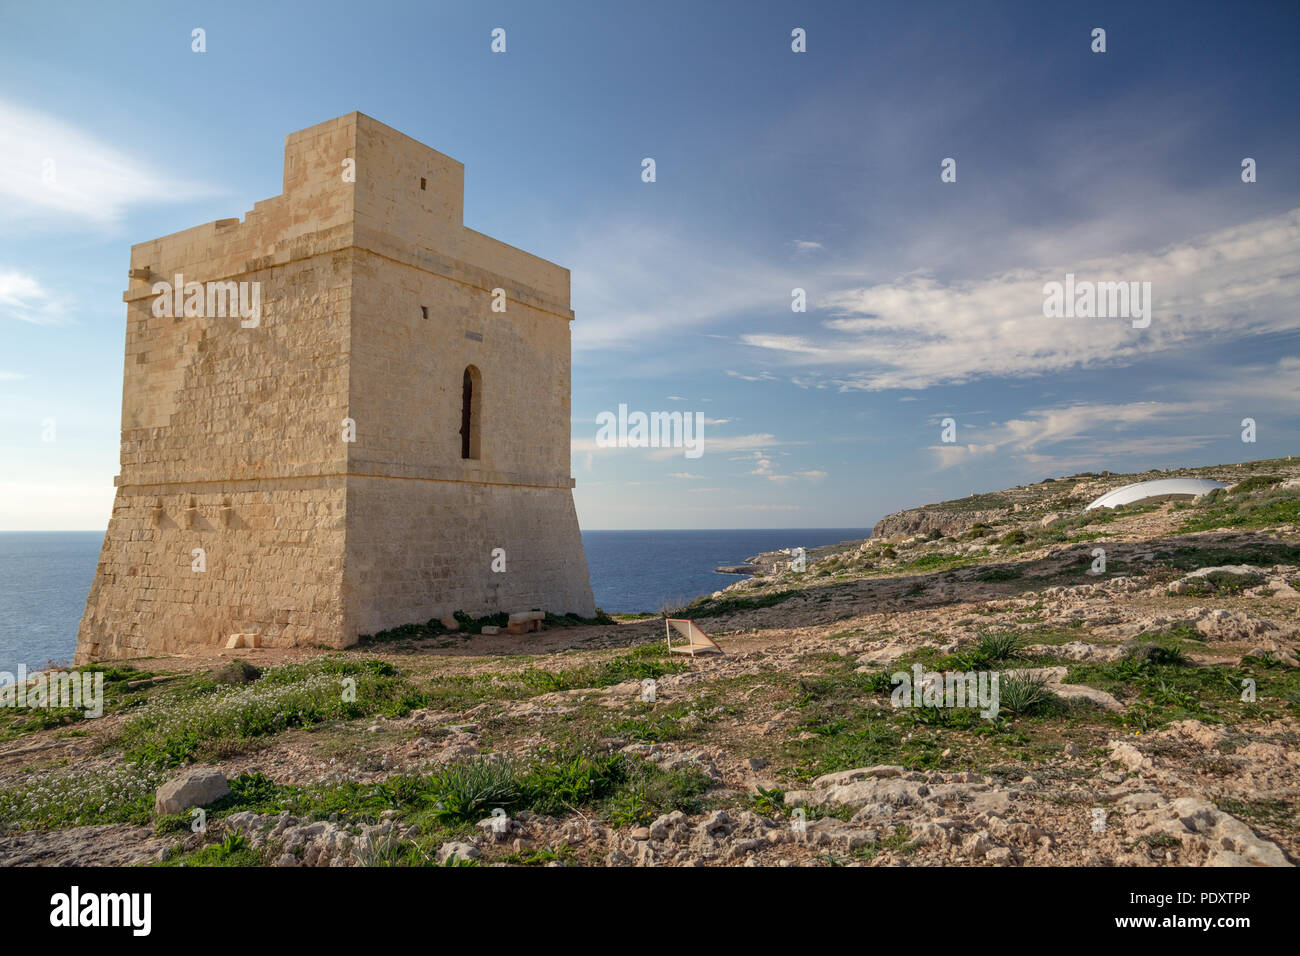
[(1097, 431), (641, 283), (57, 176), (804, 247), (22, 297), (918, 332), (711, 444)]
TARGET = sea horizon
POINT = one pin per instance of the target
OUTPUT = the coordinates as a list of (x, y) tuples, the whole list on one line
[(631, 570)]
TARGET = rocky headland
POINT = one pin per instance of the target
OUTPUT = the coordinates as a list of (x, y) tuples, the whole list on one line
[(1149, 714)]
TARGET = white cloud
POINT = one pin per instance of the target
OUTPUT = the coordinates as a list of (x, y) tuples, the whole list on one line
[(917, 332), (58, 176), (22, 297), (1097, 429), (644, 284), (764, 376), (711, 444)]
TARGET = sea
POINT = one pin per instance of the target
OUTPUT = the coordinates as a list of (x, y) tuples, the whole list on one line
[(46, 575)]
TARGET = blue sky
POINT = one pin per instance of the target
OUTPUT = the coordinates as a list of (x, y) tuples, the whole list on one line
[(775, 170)]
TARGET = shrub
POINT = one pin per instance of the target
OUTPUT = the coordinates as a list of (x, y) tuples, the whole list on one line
[(1255, 483)]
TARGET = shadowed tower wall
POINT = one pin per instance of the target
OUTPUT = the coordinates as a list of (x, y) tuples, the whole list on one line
[(375, 300)]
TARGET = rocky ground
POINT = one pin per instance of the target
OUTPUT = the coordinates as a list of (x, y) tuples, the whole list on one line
[(1149, 716)]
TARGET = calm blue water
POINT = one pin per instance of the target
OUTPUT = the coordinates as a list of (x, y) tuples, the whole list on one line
[(44, 579), (639, 570), (45, 576)]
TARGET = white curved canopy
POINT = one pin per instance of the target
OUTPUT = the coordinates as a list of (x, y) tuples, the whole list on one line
[(1159, 488)]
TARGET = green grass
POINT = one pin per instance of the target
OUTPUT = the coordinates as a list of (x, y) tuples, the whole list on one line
[(1256, 554), (1252, 511), (937, 562), (64, 797), (118, 697), (1162, 686), (616, 787), (462, 691), (1025, 694), (233, 850), (647, 661), (1255, 483), (989, 651), (709, 607), (209, 723)]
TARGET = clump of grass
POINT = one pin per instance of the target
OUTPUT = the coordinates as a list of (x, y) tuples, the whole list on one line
[(1024, 694), (989, 651), (1231, 581), (233, 850), (996, 648), (470, 791), (768, 803), (647, 791), (554, 783), (1150, 652)]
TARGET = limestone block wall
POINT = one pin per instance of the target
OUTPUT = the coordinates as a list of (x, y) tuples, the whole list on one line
[(422, 521), (420, 549), (272, 565), (407, 370)]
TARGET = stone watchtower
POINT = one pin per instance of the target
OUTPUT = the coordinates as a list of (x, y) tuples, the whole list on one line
[(350, 455)]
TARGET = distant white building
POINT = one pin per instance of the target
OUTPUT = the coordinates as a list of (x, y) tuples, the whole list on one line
[(1160, 488)]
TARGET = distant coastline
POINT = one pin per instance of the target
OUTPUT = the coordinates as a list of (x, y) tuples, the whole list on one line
[(47, 576)]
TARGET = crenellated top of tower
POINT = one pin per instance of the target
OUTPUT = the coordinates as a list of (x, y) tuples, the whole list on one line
[(353, 181)]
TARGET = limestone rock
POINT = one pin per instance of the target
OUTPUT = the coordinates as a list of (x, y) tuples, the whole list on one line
[(193, 788), (457, 851)]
